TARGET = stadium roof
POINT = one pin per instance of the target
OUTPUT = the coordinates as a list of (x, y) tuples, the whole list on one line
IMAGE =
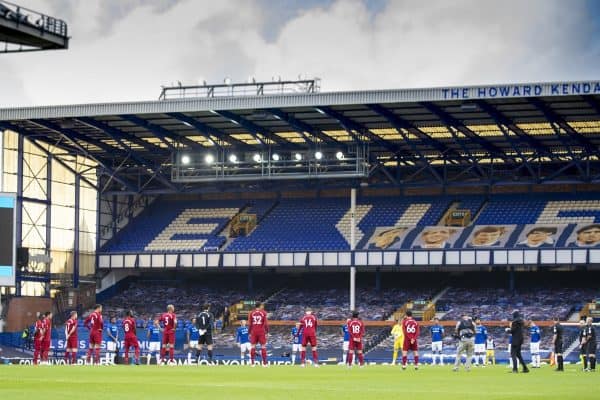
[(470, 128)]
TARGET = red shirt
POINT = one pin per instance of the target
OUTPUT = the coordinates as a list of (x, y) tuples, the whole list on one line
[(47, 329), (39, 330), (169, 320), (94, 322), (411, 329), (356, 329), (257, 322), (72, 323), (129, 327), (308, 325)]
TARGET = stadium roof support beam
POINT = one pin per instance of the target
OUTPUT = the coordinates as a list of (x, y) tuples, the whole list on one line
[(453, 122), (26, 133), (502, 119), (302, 127), (66, 134), (206, 131), (554, 118), (517, 150), (163, 133), (400, 123), (385, 113), (119, 137), (350, 126), (117, 133), (256, 130)]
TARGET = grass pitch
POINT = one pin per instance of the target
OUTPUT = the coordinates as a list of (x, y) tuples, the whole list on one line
[(292, 382)]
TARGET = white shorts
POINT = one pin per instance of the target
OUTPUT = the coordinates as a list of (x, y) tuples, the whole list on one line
[(534, 348), (436, 346), (345, 345), (153, 346), (244, 347), (193, 344), (296, 347), (111, 346), (480, 348)]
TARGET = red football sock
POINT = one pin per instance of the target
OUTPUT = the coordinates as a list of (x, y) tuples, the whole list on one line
[(126, 355), (36, 355), (404, 360), (315, 357), (416, 360), (137, 355), (171, 353), (361, 358), (263, 353), (97, 355), (252, 354), (349, 358), (162, 353), (67, 358), (302, 356), (74, 357), (89, 355)]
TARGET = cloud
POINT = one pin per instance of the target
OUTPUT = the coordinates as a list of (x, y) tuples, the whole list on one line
[(125, 49)]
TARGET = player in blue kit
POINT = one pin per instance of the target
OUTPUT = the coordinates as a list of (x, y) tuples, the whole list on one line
[(154, 335), (480, 339), (535, 336), (242, 338), (112, 344), (437, 339), (296, 341), (193, 336), (346, 341)]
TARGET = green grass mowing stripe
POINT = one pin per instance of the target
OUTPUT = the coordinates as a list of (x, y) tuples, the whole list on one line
[(287, 382)]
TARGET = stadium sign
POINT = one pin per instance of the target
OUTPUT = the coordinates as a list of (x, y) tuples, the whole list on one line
[(521, 90)]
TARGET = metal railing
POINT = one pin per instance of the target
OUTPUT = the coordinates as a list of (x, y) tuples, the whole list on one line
[(25, 16), (228, 89)]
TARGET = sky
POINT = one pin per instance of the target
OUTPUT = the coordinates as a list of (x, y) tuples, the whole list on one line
[(124, 50)]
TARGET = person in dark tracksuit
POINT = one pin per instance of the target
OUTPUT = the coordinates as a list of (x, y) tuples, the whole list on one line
[(517, 330), (557, 341), (590, 344)]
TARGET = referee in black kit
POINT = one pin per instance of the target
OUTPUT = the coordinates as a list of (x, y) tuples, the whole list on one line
[(557, 341), (517, 330)]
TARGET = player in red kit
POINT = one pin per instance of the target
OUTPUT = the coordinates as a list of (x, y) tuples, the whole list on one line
[(308, 327), (131, 339), (38, 335), (95, 324), (71, 344), (259, 329), (47, 338), (169, 321), (356, 329), (411, 330)]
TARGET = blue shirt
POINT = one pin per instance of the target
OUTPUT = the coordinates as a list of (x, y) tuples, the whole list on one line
[(193, 331), (241, 335), (297, 336), (113, 329), (535, 333), (437, 333), (346, 333), (480, 334), (154, 333)]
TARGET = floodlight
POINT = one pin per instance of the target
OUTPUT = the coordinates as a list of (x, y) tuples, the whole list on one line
[(275, 157), (233, 158), (257, 158), (185, 159), (209, 159), (318, 155), (298, 156), (339, 155)]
